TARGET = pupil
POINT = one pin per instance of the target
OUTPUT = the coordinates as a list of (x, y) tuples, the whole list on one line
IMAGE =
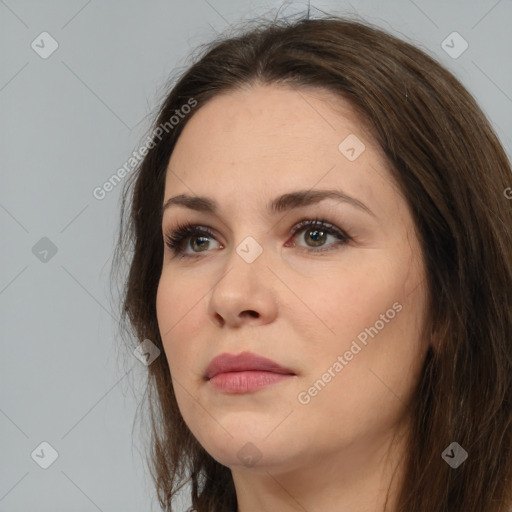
[(204, 239), (318, 238)]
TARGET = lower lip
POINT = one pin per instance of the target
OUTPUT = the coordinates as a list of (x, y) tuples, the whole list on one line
[(245, 382)]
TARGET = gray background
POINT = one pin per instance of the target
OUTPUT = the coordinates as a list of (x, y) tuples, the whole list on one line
[(68, 122)]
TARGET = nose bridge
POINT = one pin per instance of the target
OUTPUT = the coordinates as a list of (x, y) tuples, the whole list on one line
[(247, 262), (250, 249), (245, 284)]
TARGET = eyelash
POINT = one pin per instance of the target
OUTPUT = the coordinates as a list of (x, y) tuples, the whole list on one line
[(174, 239)]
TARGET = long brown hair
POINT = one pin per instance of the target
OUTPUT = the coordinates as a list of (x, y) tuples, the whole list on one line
[(451, 170)]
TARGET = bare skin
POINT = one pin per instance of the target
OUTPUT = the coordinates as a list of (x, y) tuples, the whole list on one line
[(327, 450)]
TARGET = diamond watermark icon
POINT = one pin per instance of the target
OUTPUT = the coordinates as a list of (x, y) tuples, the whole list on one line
[(249, 249), (454, 455), (249, 455), (454, 45), (44, 250), (351, 147), (146, 352), (44, 455), (44, 45)]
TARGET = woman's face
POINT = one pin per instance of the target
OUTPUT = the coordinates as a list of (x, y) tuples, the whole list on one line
[(342, 315)]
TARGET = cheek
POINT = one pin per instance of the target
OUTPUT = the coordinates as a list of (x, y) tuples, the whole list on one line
[(347, 298), (367, 391), (374, 310), (178, 311)]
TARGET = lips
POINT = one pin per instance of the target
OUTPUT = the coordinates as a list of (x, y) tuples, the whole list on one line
[(244, 362)]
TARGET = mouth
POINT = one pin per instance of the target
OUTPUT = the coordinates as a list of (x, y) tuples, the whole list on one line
[(244, 373)]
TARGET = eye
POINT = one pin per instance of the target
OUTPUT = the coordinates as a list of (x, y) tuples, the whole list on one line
[(316, 233), (175, 239)]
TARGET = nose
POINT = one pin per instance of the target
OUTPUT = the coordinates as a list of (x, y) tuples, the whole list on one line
[(244, 293)]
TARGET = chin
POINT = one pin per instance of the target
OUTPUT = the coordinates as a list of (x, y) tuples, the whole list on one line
[(243, 443)]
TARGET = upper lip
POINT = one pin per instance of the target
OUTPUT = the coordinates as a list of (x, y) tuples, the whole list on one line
[(246, 361)]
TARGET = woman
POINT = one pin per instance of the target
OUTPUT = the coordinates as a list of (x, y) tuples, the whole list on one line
[(323, 253)]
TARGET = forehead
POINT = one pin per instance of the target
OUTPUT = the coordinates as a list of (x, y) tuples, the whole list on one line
[(263, 140)]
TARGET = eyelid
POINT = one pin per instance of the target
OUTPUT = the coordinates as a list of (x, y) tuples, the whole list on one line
[(317, 222)]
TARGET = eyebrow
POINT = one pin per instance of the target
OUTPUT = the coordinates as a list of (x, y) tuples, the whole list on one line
[(285, 202)]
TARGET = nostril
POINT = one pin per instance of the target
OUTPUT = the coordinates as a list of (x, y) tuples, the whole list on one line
[(219, 319)]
